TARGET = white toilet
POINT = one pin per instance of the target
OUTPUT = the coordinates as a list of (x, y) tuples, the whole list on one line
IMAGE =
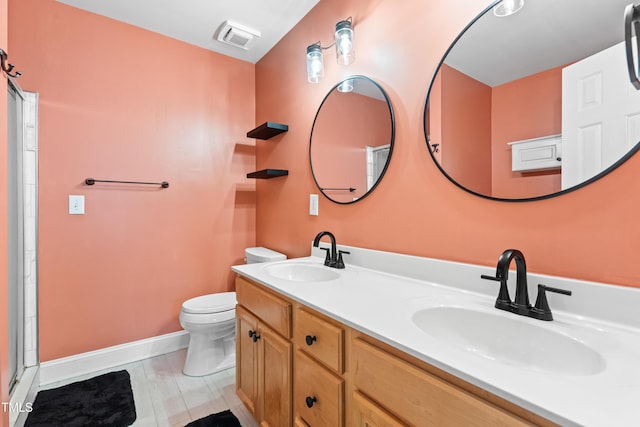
[(211, 323)]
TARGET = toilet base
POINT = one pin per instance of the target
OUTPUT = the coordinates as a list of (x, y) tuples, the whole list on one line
[(203, 358), (227, 363)]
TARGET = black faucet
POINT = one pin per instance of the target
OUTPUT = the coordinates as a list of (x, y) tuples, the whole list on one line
[(521, 303), (334, 256)]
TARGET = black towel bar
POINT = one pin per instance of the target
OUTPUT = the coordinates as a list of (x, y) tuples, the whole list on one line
[(91, 181), (350, 189)]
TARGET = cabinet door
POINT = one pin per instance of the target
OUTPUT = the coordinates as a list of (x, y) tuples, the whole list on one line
[(275, 378), (246, 359)]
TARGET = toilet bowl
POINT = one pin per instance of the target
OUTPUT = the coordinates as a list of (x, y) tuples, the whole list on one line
[(211, 323)]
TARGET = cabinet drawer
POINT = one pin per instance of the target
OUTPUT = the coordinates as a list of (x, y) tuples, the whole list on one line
[(274, 311), (318, 393), (367, 414), (320, 338), (418, 397)]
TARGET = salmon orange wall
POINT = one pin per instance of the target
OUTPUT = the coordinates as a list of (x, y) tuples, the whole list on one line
[(591, 233), (4, 290), (526, 108), (118, 102), (466, 130)]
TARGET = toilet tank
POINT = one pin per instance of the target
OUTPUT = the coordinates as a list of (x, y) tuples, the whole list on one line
[(260, 254)]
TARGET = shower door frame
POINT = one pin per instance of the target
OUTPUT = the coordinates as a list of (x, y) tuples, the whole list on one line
[(25, 146), (15, 213)]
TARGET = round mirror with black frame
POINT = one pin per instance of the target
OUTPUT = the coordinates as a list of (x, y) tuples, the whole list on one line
[(351, 139), (517, 108)]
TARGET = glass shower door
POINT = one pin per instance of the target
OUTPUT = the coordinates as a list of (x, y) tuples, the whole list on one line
[(16, 235)]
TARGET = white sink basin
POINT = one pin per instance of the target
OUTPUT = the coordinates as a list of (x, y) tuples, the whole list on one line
[(509, 340), (302, 272)]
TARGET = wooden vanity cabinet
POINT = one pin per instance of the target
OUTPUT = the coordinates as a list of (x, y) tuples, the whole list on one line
[(263, 354), (308, 370)]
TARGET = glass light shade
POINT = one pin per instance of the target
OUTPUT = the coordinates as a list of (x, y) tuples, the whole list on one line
[(315, 65), (345, 50), (346, 86), (507, 7)]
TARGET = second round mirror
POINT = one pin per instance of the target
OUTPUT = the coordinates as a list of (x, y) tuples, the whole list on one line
[(351, 139)]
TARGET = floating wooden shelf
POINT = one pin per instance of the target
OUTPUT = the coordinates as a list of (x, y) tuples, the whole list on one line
[(267, 130), (268, 173)]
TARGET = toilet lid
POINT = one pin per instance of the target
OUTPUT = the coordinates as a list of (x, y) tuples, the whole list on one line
[(213, 303)]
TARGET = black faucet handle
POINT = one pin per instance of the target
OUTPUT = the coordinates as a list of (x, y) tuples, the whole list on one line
[(327, 258), (542, 310), (503, 302), (340, 262)]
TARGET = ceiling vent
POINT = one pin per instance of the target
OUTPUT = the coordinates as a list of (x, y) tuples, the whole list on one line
[(237, 35)]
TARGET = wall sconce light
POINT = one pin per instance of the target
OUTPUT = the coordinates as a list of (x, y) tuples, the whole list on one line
[(345, 51), (315, 66)]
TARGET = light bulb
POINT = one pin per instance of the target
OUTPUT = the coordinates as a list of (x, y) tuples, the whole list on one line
[(345, 51), (315, 65)]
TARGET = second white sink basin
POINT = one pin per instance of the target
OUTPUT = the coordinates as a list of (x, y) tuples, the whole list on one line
[(302, 272), (509, 340)]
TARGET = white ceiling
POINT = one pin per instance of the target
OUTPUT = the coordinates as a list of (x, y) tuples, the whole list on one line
[(196, 21), (542, 35)]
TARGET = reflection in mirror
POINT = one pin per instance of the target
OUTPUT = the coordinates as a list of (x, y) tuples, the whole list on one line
[(536, 103), (351, 139)]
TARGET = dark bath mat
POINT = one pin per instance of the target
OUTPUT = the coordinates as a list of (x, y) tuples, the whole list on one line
[(221, 419), (105, 400)]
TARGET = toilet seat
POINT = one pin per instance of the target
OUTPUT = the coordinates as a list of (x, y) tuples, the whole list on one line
[(212, 303)]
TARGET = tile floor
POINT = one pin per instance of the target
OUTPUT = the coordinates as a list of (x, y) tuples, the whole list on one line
[(164, 397)]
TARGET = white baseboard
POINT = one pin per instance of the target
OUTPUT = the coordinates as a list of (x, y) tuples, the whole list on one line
[(92, 361)]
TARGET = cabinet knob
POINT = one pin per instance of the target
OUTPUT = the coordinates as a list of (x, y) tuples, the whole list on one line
[(254, 336), (310, 401), (310, 339)]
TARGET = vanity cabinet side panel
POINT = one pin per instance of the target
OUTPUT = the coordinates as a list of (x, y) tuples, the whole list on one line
[(275, 382), (246, 360), (272, 310), (418, 397)]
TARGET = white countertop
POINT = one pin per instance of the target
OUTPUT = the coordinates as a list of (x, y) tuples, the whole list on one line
[(382, 303)]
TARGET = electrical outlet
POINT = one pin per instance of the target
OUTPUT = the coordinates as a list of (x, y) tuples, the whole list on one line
[(76, 205), (313, 204)]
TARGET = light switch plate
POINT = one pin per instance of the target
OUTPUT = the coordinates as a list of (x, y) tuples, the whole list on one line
[(313, 204), (76, 205)]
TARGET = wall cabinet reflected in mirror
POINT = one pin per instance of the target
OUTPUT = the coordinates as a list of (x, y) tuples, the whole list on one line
[(351, 139), (541, 72)]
